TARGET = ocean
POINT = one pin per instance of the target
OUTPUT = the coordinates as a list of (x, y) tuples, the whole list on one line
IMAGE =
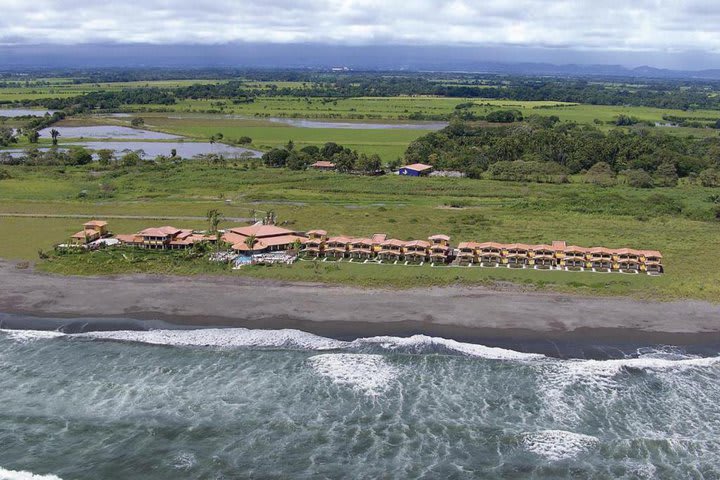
[(238, 403)]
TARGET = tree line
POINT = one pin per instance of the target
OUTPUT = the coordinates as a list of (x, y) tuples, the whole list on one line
[(544, 149)]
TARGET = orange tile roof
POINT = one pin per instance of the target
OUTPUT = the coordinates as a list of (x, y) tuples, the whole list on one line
[(261, 231), (463, 245), (131, 238), (489, 245), (559, 245), (84, 234), (340, 239), (394, 242), (417, 243), (317, 232), (439, 236), (165, 231), (575, 248), (95, 223), (651, 253), (379, 237), (601, 250), (517, 246)]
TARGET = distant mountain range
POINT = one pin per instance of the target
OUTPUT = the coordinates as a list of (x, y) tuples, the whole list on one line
[(501, 60)]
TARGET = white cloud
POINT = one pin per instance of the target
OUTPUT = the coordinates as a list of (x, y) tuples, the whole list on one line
[(642, 25)]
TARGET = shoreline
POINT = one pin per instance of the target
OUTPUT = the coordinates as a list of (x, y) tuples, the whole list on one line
[(510, 319)]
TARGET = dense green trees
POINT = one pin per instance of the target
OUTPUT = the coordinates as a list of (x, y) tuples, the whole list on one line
[(472, 148)]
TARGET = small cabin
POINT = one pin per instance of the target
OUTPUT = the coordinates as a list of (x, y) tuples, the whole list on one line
[(415, 170)]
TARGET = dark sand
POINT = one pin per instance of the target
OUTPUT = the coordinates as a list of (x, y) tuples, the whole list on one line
[(475, 314)]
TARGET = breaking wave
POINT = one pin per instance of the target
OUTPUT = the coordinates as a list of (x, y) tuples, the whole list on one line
[(369, 373), (558, 444), (22, 475)]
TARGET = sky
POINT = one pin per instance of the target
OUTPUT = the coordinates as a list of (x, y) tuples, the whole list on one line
[(652, 27)]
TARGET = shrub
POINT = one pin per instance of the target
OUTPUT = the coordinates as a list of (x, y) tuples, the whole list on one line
[(639, 178)]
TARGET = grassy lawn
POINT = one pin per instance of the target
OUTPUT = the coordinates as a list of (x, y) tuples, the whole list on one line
[(677, 221)]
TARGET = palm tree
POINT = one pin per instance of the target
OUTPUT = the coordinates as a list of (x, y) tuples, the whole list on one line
[(250, 241), (54, 134), (214, 217)]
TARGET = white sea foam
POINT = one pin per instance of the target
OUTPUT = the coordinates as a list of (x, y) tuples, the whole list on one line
[(421, 343), (223, 337), (558, 444), (25, 336), (369, 373), (22, 475)]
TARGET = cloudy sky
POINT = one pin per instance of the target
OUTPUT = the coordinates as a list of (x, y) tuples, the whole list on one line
[(638, 25)]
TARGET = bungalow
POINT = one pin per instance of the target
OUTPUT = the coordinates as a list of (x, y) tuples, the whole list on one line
[(415, 170), (391, 249), (439, 248), (314, 246), (337, 247), (652, 261), (264, 238), (490, 253), (467, 253), (600, 258), (323, 165), (516, 254), (417, 251), (92, 230), (574, 257), (541, 256), (361, 248)]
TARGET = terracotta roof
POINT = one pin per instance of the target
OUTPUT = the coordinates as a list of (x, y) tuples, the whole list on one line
[(652, 253), (439, 237), (317, 232), (165, 231), (393, 242), (490, 245), (601, 250), (575, 248), (628, 251), (323, 164), (518, 246), (95, 223), (379, 237), (541, 246), (559, 245), (440, 247), (339, 239), (132, 238), (492, 254), (463, 245), (418, 167), (261, 231), (84, 234), (361, 241), (361, 250), (417, 243)]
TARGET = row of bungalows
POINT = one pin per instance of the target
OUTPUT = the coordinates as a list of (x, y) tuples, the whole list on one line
[(559, 255), (379, 247)]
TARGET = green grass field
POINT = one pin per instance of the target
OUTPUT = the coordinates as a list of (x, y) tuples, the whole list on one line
[(677, 221)]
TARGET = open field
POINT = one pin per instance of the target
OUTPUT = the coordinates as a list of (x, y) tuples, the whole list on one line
[(677, 221)]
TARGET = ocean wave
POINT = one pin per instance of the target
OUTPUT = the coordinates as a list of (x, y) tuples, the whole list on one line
[(369, 373), (23, 475), (24, 336), (558, 444), (426, 344), (223, 337), (646, 359)]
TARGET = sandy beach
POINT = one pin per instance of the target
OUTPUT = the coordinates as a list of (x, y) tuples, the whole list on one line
[(476, 314)]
